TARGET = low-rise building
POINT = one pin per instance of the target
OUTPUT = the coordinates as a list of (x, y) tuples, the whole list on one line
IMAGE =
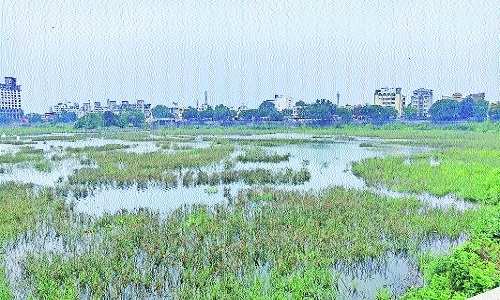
[(456, 96)]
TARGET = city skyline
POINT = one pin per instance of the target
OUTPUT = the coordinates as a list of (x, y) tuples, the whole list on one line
[(165, 52)]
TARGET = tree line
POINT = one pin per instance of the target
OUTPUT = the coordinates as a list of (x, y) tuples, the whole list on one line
[(321, 111)]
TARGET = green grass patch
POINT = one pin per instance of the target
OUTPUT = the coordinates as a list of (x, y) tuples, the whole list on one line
[(258, 154), (473, 174), (20, 209), (126, 168)]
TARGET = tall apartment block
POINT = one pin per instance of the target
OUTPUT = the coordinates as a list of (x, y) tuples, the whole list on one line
[(422, 100), (10, 99), (390, 97)]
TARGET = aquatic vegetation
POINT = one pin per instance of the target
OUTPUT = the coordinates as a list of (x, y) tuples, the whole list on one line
[(20, 209), (265, 242), (473, 174), (471, 269), (269, 243), (251, 176), (57, 137), (126, 168), (107, 147), (366, 144), (25, 154), (259, 155)]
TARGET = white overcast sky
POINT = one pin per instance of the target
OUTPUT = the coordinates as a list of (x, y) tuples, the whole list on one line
[(246, 51)]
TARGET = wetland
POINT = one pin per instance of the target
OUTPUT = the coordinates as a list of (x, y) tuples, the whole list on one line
[(316, 214)]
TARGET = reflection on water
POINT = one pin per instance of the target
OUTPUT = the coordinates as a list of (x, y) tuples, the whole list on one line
[(154, 197), (363, 280), (329, 164), (25, 173)]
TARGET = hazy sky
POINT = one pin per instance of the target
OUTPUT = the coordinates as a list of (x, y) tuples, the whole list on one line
[(246, 51)]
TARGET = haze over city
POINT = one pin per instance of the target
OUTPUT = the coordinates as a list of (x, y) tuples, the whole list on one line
[(242, 52)]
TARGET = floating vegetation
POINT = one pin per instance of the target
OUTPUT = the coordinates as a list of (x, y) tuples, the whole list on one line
[(259, 155), (55, 137), (173, 146), (16, 142), (470, 174), (211, 189)]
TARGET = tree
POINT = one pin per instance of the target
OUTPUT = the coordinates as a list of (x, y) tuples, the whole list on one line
[(445, 110), (5, 119), (134, 117), (267, 110), (267, 106), (480, 110), (466, 108), (89, 121), (410, 112), (35, 118), (250, 114), (190, 114), (161, 111), (66, 117), (320, 110), (110, 119), (344, 114), (376, 114), (222, 112), (494, 112)]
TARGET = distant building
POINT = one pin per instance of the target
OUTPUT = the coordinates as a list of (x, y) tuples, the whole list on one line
[(422, 100), (112, 105), (456, 96), (10, 99), (98, 107), (390, 97), (60, 107), (459, 97), (281, 103), (478, 96)]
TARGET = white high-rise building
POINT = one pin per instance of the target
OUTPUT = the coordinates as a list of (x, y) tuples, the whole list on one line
[(281, 102), (390, 97), (422, 100), (10, 99)]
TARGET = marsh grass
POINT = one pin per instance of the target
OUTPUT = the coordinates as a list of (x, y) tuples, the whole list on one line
[(472, 174), (21, 207), (257, 154), (126, 168), (16, 142), (250, 177), (269, 243), (107, 147)]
